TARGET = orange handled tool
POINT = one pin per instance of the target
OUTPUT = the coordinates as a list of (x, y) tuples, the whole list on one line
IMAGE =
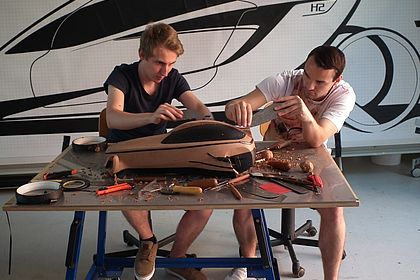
[(114, 188), (235, 192), (239, 179), (226, 183), (59, 174)]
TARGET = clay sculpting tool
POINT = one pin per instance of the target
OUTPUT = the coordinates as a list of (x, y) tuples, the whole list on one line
[(226, 183), (59, 174), (113, 188), (175, 189)]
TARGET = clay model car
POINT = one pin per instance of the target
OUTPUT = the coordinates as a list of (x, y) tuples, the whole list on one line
[(196, 145)]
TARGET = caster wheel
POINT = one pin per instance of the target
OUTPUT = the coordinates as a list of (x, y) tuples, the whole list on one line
[(298, 271), (312, 231)]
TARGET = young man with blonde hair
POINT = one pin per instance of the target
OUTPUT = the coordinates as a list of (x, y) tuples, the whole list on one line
[(139, 104)]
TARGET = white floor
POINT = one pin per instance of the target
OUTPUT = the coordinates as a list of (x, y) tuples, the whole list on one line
[(383, 234)]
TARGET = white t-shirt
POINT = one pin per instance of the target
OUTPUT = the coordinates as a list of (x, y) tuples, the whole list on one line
[(336, 106)]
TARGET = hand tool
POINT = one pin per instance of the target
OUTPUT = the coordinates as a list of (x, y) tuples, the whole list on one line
[(300, 186), (300, 189), (235, 191), (265, 115), (233, 181), (59, 174), (174, 189), (280, 144), (113, 188), (316, 180), (204, 183), (190, 115), (145, 187)]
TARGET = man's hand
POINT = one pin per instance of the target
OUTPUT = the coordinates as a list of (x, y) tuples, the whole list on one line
[(239, 112), (166, 112), (292, 108)]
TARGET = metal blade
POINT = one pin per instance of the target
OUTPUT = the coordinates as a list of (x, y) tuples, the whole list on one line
[(189, 115), (265, 115)]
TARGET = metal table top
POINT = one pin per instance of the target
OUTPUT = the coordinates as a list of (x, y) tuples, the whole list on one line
[(91, 166)]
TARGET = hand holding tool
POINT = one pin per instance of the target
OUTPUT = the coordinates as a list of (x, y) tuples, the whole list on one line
[(114, 188), (59, 174), (264, 115)]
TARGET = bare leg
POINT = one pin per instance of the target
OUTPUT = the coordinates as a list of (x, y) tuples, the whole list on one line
[(243, 225), (190, 226), (331, 240), (139, 220)]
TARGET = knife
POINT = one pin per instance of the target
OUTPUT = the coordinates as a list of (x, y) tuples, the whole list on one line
[(265, 115)]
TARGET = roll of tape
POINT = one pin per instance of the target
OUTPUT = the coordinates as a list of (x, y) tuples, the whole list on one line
[(75, 184), (89, 144), (41, 192)]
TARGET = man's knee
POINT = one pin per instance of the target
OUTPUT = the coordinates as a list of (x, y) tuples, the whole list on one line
[(201, 214), (242, 216), (331, 215)]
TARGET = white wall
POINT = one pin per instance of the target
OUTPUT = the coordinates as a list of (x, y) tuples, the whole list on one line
[(66, 49)]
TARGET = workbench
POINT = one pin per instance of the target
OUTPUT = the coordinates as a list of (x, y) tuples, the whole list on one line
[(90, 165)]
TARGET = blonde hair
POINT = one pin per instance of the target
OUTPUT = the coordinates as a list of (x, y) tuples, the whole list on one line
[(160, 34)]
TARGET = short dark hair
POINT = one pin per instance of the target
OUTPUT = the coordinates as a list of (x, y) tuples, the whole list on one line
[(329, 57), (160, 34)]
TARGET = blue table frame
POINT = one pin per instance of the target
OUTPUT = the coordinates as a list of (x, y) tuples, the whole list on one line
[(111, 266)]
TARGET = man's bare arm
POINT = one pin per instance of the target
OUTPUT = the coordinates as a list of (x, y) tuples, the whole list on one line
[(314, 133), (117, 118), (191, 101)]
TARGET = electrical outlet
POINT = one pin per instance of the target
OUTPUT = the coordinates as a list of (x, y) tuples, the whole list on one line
[(416, 163)]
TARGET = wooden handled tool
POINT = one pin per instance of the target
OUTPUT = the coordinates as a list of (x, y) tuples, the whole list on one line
[(204, 183), (235, 191), (174, 189), (233, 181)]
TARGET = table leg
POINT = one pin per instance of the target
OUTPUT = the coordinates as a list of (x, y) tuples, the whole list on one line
[(269, 268), (73, 247), (111, 266)]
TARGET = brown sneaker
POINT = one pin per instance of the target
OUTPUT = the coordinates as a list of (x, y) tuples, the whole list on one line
[(144, 265), (186, 273)]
